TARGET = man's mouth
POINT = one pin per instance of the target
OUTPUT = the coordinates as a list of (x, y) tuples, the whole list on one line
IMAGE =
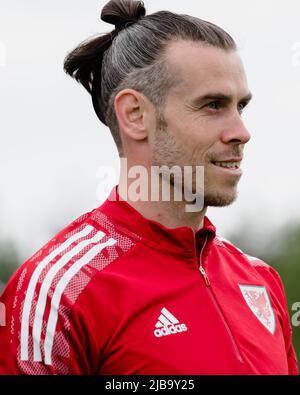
[(231, 166), (228, 165)]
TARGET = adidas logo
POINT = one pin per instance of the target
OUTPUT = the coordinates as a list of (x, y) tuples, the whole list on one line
[(167, 324)]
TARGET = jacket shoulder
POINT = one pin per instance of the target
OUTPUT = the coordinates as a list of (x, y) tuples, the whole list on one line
[(231, 248), (262, 268)]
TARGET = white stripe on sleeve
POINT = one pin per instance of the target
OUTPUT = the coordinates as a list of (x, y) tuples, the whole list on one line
[(32, 285)]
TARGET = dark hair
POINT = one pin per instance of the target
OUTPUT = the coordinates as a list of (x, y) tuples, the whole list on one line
[(133, 55)]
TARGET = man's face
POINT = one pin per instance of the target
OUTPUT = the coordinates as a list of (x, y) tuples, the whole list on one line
[(201, 124)]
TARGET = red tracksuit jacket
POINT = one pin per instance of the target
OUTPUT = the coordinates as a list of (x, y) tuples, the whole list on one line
[(115, 293)]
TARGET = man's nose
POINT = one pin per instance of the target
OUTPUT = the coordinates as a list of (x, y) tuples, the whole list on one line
[(236, 132)]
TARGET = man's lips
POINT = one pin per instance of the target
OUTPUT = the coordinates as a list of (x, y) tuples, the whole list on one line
[(232, 164)]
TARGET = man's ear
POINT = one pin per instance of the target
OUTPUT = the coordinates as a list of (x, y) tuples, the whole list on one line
[(131, 108)]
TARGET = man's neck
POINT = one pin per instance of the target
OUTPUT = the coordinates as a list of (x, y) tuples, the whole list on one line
[(171, 214)]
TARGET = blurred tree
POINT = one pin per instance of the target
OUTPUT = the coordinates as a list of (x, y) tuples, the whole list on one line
[(9, 260), (282, 251)]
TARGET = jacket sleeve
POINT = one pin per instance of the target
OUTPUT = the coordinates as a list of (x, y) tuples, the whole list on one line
[(290, 351), (54, 343), (291, 355)]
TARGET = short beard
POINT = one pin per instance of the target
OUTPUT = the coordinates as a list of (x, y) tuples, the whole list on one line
[(219, 200)]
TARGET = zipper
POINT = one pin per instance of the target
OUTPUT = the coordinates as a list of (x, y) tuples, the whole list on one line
[(235, 346), (217, 305), (205, 276), (201, 268)]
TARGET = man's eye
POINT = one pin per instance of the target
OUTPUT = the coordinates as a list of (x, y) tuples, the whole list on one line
[(241, 107), (215, 105)]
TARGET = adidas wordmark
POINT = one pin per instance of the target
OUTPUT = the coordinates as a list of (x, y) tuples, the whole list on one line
[(167, 324)]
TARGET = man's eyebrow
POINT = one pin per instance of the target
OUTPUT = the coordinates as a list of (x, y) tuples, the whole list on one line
[(220, 96)]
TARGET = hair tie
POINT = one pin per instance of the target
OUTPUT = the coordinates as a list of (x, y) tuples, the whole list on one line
[(124, 24)]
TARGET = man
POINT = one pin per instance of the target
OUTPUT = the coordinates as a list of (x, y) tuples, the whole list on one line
[(146, 286)]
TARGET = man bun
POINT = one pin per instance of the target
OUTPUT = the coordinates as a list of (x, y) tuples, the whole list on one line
[(84, 63), (123, 13)]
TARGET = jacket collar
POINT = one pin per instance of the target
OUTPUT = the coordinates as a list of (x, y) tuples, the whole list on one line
[(179, 241)]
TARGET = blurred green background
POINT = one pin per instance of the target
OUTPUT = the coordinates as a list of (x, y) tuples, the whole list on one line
[(280, 249)]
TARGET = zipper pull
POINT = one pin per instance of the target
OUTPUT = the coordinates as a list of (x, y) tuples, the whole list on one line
[(204, 275)]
